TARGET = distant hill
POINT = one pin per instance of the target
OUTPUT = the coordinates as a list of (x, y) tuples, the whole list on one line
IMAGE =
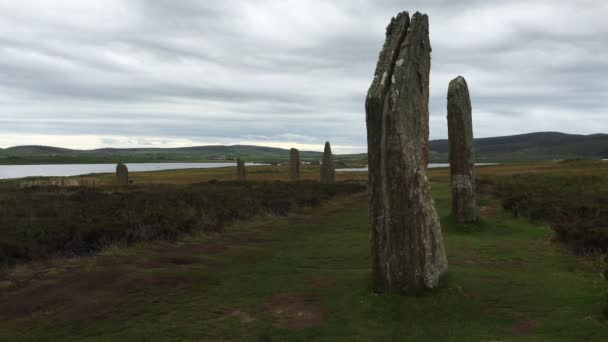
[(34, 150), (532, 146), (524, 147), (54, 155)]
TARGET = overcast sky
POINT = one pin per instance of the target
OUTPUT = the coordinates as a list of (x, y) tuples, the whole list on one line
[(125, 73)]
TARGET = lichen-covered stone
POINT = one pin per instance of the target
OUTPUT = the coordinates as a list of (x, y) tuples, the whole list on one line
[(462, 158), (294, 164), (406, 240), (241, 171), (328, 170), (122, 174)]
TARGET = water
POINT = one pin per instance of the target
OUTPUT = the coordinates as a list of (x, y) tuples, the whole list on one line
[(431, 166), (66, 170)]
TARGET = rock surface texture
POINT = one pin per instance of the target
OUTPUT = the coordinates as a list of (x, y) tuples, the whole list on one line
[(294, 164), (406, 241), (462, 157), (241, 171), (122, 174), (328, 170)]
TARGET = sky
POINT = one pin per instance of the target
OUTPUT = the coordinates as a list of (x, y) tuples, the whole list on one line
[(285, 73)]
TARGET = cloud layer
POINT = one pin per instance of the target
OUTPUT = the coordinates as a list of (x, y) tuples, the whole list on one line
[(139, 72)]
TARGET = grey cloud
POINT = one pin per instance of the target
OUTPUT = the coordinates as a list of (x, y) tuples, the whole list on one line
[(291, 70)]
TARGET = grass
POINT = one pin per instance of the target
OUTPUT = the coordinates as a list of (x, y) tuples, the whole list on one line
[(306, 277), (254, 173)]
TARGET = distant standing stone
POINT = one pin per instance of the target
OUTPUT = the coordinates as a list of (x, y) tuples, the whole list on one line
[(328, 171), (462, 156), (122, 174), (241, 171), (407, 247), (294, 164)]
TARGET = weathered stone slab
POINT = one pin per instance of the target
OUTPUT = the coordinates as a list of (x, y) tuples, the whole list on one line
[(294, 164), (241, 171), (122, 174), (406, 240), (328, 170), (462, 156)]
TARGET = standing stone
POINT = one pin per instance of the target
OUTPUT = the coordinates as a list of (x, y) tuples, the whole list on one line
[(406, 240), (122, 174), (294, 164), (241, 171), (328, 171), (462, 158)]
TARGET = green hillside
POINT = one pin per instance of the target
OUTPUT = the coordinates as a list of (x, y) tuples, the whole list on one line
[(525, 147), (532, 147), (52, 155)]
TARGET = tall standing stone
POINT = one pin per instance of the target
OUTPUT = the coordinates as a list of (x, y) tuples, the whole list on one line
[(294, 164), (122, 174), (462, 157), (241, 171), (328, 170), (406, 241)]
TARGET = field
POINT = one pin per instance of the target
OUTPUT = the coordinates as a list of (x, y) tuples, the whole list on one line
[(306, 276)]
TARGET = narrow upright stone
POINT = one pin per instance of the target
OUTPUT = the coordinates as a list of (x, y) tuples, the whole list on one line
[(294, 164), (328, 171), (462, 157), (406, 241), (122, 174), (241, 171)]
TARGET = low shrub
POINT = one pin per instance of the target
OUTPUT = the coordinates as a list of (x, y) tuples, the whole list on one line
[(43, 221), (575, 206)]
